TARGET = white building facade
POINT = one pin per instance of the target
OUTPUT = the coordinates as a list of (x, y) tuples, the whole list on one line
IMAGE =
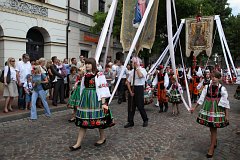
[(81, 40), (35, 27)]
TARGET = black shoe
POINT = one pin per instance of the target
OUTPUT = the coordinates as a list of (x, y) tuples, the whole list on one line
[(74, 149), (63, 102), (54, 104), (71, 120), (99, 144), (129, 125), (145, 123), (209, 156), (119, 102), (160, 111)]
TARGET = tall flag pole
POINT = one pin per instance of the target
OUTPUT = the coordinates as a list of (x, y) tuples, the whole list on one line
[(105, 29), (139, 31)]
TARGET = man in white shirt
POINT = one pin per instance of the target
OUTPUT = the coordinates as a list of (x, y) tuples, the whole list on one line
[(81, 63), (23, 68), (121, 87), (135, 84)]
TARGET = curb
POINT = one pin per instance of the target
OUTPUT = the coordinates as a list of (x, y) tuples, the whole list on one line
[(26, 115)]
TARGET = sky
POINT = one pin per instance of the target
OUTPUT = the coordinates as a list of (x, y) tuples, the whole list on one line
[(235, 5)]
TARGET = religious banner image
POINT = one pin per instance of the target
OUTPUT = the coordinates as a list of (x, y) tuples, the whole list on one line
[(133, 12), (199, 36), (140, 9)]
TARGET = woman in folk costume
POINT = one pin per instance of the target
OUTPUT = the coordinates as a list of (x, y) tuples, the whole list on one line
[(93, 111), (162, 81), (215, 110), (174, 93), (205, 81), (75, 87)]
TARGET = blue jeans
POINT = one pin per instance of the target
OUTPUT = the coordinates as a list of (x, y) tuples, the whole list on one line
[(42, 95)]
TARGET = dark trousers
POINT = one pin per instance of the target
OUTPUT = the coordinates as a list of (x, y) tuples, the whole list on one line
[(21, 97), (121, 90), (58, 91), (136, 101)]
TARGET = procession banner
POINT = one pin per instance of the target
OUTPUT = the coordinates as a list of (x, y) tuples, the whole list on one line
[(133, 11), (199, 36)]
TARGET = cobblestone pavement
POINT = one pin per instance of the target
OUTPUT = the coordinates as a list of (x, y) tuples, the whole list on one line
[(166, 137)]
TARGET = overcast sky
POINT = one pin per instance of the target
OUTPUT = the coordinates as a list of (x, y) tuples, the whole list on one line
[(235, 5)]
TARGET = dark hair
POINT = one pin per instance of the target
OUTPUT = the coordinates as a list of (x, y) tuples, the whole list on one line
[(72, 59), (25, 55), (53, 58), (92, 61), (73, 68), (216, 74)]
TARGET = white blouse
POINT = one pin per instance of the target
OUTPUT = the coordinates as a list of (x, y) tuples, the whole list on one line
[(223, 100), (12, 71), (101, 86)]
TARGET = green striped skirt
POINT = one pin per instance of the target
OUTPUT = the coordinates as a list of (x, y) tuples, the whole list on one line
[(90, 113), (212, 115), (74, 99)]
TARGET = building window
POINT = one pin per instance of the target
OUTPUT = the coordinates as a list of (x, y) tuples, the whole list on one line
[(101, 5), (84, 6), (84, 53)]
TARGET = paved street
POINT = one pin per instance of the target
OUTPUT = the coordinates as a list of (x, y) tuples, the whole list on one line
[(166, 137)]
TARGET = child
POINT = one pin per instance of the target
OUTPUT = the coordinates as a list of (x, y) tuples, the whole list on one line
[(175, 92), (75, 86), (28, 88)]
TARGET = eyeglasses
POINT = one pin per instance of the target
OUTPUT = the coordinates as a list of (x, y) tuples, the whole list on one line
[(12, 60)]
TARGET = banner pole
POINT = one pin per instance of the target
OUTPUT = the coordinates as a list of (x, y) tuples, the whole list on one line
[(103, 35), (137, 35)]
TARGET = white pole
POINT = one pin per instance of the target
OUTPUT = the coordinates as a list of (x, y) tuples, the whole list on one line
[(222, 43), (226, 45), (137, 35), (167, 48), (105, 30), (170, 37), (170, 42), (109, 37)]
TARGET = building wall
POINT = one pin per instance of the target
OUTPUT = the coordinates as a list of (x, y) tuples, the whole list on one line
[(16, 24)]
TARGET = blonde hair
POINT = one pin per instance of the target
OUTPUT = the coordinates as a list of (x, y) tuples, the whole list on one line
[(37, 69), (41, 60), (49, 63), (9, 62)]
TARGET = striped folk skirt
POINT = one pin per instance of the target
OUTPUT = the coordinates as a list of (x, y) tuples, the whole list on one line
[(212, 115), (74, 99), (90, 113)]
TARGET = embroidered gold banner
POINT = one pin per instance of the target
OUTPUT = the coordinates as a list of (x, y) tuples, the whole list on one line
[(199, 36)]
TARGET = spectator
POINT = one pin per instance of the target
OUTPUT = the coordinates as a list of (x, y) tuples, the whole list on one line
[(49, 63), (81, 63), (38, 91), (23, 69), (74, 62), (10, 90), (28, 88), (59, 83)]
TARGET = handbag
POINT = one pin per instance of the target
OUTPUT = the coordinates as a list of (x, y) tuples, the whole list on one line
[(8, 79), (47, 85)]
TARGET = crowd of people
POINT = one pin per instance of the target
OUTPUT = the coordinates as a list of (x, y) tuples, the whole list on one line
[(88, 87)]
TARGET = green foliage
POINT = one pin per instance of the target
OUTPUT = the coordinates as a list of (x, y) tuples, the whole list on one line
[(99, 19)]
